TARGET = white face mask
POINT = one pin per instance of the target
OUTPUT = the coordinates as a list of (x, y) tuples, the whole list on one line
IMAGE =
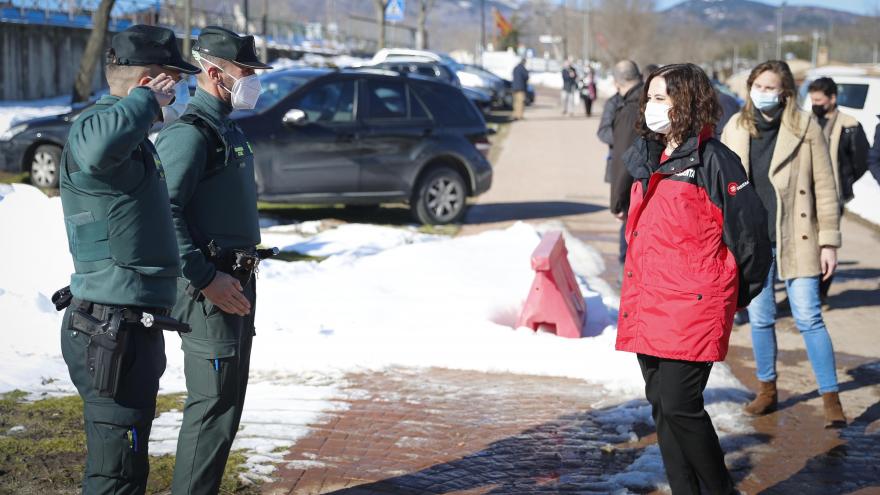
[(764, 101), (246, 90), (657, 117), (173, 111)]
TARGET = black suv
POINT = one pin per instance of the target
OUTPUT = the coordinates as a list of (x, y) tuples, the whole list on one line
[(365, 137)]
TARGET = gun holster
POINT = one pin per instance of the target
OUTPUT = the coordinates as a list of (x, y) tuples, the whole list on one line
[(107, 344)]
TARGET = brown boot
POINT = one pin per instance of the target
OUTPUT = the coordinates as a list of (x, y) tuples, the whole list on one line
[(834, 417), (765, 402)]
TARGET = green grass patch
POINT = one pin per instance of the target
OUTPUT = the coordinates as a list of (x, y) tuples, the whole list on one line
[(162, 472), (12, 177), (43, 447)]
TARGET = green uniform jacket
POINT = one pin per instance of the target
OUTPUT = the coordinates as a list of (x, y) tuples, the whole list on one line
[(209, 201), (116, 206)]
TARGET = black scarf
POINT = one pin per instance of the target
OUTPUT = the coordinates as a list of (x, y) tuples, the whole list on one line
[(760, 155)]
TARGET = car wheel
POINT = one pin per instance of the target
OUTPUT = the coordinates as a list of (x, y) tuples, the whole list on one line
[(44, 165), (441, 197)]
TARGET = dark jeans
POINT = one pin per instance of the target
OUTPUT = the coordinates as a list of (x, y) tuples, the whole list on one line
[(688, 442), (622, 252)]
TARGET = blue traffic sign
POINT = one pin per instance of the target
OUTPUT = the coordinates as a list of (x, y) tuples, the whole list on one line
[(394, 10)]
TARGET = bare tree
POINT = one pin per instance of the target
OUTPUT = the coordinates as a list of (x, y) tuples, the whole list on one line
[(93, 53), (381, 5), (627, 30), (425, 6)]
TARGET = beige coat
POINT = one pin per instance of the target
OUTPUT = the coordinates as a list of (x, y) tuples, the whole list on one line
[(808, 211)]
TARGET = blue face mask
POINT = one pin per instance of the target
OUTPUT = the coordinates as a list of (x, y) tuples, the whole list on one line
[(764, 101)]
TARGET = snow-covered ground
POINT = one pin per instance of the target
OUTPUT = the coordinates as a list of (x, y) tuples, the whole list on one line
[(384, 297)]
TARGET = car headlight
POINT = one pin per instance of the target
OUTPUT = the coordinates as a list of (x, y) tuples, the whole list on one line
[(12, 132)]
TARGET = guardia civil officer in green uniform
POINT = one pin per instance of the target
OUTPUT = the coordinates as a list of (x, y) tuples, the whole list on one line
[(121, 237), (210, 171)]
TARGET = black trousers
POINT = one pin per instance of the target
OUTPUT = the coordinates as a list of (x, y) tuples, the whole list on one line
[(688, 442), (588, 104)]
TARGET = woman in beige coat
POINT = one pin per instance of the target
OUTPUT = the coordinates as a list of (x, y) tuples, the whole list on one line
[(787, 161)]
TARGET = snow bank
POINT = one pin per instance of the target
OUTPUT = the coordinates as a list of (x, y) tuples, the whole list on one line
[(13, 112)]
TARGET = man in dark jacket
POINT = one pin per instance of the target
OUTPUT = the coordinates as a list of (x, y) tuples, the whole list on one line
[(520, 86), (847, 145), (628, 81), (569, 87), (605, 132)]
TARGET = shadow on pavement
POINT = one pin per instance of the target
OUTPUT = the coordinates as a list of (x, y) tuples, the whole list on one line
[(575, 453), (385, 215), (866, 375), (504, 212), (399, 214), (845, 468)]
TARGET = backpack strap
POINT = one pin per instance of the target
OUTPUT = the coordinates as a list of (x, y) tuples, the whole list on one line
[(216, 148)]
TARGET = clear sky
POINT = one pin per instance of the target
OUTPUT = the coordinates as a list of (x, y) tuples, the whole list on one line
[(863, 7)]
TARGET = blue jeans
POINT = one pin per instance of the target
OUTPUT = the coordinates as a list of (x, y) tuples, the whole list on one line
[(803, 297)]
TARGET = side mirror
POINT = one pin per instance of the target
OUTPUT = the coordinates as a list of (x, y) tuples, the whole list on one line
[(295, 116)]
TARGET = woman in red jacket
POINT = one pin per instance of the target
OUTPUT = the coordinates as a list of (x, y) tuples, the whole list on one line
[(698, 250)]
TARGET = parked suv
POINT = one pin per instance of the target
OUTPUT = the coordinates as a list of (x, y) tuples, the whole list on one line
[(367, 136)]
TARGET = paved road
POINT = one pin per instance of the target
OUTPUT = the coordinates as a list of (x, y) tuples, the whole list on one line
[(440, 431)]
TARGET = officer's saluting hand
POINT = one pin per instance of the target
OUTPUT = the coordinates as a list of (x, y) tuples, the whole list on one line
[(121, 238)]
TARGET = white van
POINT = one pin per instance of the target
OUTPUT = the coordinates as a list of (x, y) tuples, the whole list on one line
[(858, 92)]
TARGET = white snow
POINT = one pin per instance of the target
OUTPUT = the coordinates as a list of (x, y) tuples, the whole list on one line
[(13, 112), (866, 202), (384, 297)]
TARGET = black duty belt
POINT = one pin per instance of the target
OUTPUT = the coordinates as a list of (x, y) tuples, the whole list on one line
[(92, 316)]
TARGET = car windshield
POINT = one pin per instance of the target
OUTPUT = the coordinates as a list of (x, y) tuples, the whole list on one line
[(277, 85)]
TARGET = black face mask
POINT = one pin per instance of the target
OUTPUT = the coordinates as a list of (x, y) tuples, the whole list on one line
[(820, 111)]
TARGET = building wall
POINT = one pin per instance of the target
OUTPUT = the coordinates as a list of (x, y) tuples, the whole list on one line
[(39, 61)]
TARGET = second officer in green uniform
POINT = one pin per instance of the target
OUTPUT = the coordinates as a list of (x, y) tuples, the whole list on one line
[(210, 175)]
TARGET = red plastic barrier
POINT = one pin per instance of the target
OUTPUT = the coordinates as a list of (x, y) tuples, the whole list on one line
[(555, 299)]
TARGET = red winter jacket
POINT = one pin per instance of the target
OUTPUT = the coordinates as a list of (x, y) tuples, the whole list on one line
[(698, 250)]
